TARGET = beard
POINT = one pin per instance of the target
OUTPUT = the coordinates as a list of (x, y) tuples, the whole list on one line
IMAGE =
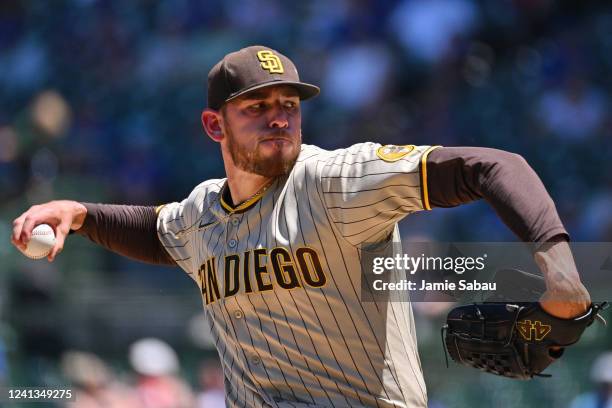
[(253, 161)]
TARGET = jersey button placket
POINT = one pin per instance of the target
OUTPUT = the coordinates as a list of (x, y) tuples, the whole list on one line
[(233, 224)]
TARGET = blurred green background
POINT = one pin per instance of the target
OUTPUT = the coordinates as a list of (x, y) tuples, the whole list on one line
[(100, 101)]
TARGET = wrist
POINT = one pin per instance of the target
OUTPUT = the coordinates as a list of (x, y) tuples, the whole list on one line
[(79, 212), (556, 262)]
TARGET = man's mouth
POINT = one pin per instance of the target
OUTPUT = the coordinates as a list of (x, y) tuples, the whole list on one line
[(276, 143), (276, 139), (276, 134)]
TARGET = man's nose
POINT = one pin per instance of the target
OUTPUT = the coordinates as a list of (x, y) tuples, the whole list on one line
[(279, 120)]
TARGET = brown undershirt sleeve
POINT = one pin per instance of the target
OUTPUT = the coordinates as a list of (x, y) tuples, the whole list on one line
[(128, 230), (458, 175)]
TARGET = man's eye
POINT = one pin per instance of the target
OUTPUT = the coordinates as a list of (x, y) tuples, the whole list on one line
[(255, 107), (290, 104)]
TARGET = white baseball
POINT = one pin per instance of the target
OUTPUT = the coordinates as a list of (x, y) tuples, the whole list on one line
[(41, 242)]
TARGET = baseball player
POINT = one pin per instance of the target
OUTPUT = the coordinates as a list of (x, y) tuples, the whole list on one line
[(275, 246)]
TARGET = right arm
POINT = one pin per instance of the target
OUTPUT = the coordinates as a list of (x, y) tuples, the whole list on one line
[(130, 231)]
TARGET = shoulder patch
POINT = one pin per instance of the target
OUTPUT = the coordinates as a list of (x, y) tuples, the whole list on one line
[(391, 153)]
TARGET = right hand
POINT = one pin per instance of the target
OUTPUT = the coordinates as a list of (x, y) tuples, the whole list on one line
[(61, 215)]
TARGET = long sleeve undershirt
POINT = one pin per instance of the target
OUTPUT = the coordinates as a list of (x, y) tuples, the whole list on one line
[(459, 175), (455, 175), (128, 230)]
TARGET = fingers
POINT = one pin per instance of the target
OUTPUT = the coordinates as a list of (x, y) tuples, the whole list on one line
[(18, 244), (61, 232), (26, 222), (29, 223), (17, 226), (58, 214)]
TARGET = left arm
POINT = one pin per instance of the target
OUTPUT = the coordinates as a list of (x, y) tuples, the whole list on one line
[(458, 175)]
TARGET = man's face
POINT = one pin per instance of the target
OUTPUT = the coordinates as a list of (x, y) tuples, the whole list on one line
[(263, 130)]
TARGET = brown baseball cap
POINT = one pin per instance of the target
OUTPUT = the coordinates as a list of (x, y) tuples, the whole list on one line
[(253, 68)]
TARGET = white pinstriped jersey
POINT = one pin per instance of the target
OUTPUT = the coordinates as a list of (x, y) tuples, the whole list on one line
[(280, 280)]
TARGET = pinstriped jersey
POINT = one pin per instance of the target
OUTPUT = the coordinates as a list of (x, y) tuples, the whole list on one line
[(280, 279)]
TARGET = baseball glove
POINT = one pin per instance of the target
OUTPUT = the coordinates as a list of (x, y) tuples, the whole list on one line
[(516, 340)]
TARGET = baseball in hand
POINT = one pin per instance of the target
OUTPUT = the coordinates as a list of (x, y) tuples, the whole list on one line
[(41, 242)]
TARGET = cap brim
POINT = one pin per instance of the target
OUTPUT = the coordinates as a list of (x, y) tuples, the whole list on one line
[(305, 91)]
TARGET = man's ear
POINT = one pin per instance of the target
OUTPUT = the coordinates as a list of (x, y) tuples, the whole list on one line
[(211, 120)]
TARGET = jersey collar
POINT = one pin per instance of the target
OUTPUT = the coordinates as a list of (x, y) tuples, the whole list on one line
[(225, 200)]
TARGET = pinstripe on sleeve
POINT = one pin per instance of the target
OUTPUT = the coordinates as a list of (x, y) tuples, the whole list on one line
[(172, 227), (367, 188)]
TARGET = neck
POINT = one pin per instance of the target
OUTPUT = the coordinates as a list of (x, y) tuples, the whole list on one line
[(243, 185)]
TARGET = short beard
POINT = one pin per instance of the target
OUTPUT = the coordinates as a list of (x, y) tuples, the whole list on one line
[(252, 162)]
